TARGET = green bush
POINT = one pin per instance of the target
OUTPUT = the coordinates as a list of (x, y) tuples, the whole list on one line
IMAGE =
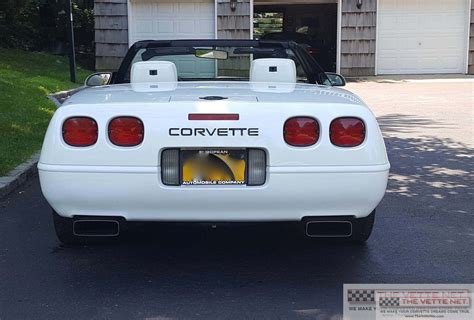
[(42, 25)]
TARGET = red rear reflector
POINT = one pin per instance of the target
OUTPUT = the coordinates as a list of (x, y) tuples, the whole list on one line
[(80, 131), (301, 131), (213, 116), (347, 132), (126, 131)]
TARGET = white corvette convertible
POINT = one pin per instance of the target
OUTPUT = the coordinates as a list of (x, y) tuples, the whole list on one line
[(214, 131)]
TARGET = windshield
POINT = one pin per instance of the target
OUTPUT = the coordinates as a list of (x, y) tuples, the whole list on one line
[(215, 63)]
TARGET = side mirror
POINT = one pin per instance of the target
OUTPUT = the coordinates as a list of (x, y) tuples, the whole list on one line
[(98, 79), (336, 79)]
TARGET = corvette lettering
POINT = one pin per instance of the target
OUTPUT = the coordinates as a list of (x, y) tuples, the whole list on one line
[(221, 132)]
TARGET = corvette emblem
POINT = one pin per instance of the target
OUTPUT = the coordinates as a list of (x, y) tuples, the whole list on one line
[(209, 132)]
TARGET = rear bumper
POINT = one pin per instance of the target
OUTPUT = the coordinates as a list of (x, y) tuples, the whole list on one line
[(289, 194)]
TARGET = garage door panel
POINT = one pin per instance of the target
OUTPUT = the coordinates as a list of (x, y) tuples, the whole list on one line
[(165, 26), (450, 63), (172, 19), (408, 45), (421, 36), (431, 23), (204, 8), (407, 22), (144, 26), (185, 26), (205, 66), (388, 24), (206, 27), (186, 8), (431, 63), (388, 45), (435, 22), (391, 64), (144, 10), (450, 44), (175, 19), (409, 65), (163, 8), (401, 6)]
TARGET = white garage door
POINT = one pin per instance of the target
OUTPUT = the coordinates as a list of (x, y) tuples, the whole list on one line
[(422, 36), (175, 19)]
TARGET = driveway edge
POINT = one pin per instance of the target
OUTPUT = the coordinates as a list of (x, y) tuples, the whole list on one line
[(19, 175)]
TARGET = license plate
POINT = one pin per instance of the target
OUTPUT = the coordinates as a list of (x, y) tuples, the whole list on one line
[(213, 167)]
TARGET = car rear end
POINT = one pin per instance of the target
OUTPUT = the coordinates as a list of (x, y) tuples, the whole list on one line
[(273, 161)]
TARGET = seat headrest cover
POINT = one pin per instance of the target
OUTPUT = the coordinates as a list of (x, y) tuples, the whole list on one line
[(273, 70), (153, 71)]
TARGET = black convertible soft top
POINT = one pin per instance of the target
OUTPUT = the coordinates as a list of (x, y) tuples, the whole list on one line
[(145, 44), (314, 72)]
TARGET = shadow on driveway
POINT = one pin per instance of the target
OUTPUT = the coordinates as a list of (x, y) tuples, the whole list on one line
[(431, 170)]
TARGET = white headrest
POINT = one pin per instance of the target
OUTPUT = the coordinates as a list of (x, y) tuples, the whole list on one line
[(153, 71), (273, 70)]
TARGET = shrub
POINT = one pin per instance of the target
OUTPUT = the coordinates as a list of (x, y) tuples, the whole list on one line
[(41, 25)]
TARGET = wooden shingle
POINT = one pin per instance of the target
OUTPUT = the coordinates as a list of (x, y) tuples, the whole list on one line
[(358, 37)]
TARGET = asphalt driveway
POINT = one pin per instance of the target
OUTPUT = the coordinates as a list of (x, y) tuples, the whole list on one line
[(424, 234)]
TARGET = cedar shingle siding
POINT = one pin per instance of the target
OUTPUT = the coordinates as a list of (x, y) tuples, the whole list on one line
[(358, 33), (471, 42), (233, 25), (111, 33)]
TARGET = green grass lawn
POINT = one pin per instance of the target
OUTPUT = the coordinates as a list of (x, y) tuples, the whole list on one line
[(26, 79)]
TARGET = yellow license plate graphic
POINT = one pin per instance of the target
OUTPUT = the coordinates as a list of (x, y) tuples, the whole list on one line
[(213, 167)]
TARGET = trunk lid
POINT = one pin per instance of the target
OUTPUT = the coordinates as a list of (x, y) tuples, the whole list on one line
[(260, 124)]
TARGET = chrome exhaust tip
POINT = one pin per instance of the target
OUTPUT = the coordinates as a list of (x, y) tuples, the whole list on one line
[(329, 229), (96, 228)]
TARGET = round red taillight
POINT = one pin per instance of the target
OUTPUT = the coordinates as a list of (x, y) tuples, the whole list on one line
[(347, 132), (126, 131), (80, 131), (301, 131)]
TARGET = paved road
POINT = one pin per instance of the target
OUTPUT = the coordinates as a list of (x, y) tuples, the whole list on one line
[(424, 234)]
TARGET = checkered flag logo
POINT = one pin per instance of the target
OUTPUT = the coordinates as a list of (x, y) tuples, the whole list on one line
[(359, 295), (389, 302)]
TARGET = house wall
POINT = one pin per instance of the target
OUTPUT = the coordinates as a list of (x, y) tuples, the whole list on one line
[(233, 25), (358, 35), (111, 33), (471, 41)]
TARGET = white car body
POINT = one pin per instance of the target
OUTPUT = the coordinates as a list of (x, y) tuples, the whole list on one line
[(319, 180)]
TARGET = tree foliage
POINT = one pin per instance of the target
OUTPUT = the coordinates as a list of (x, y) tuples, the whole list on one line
[(42, 25)]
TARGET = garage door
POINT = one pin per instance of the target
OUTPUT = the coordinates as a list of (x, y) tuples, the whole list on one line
[(421, 36), (175, 19)]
